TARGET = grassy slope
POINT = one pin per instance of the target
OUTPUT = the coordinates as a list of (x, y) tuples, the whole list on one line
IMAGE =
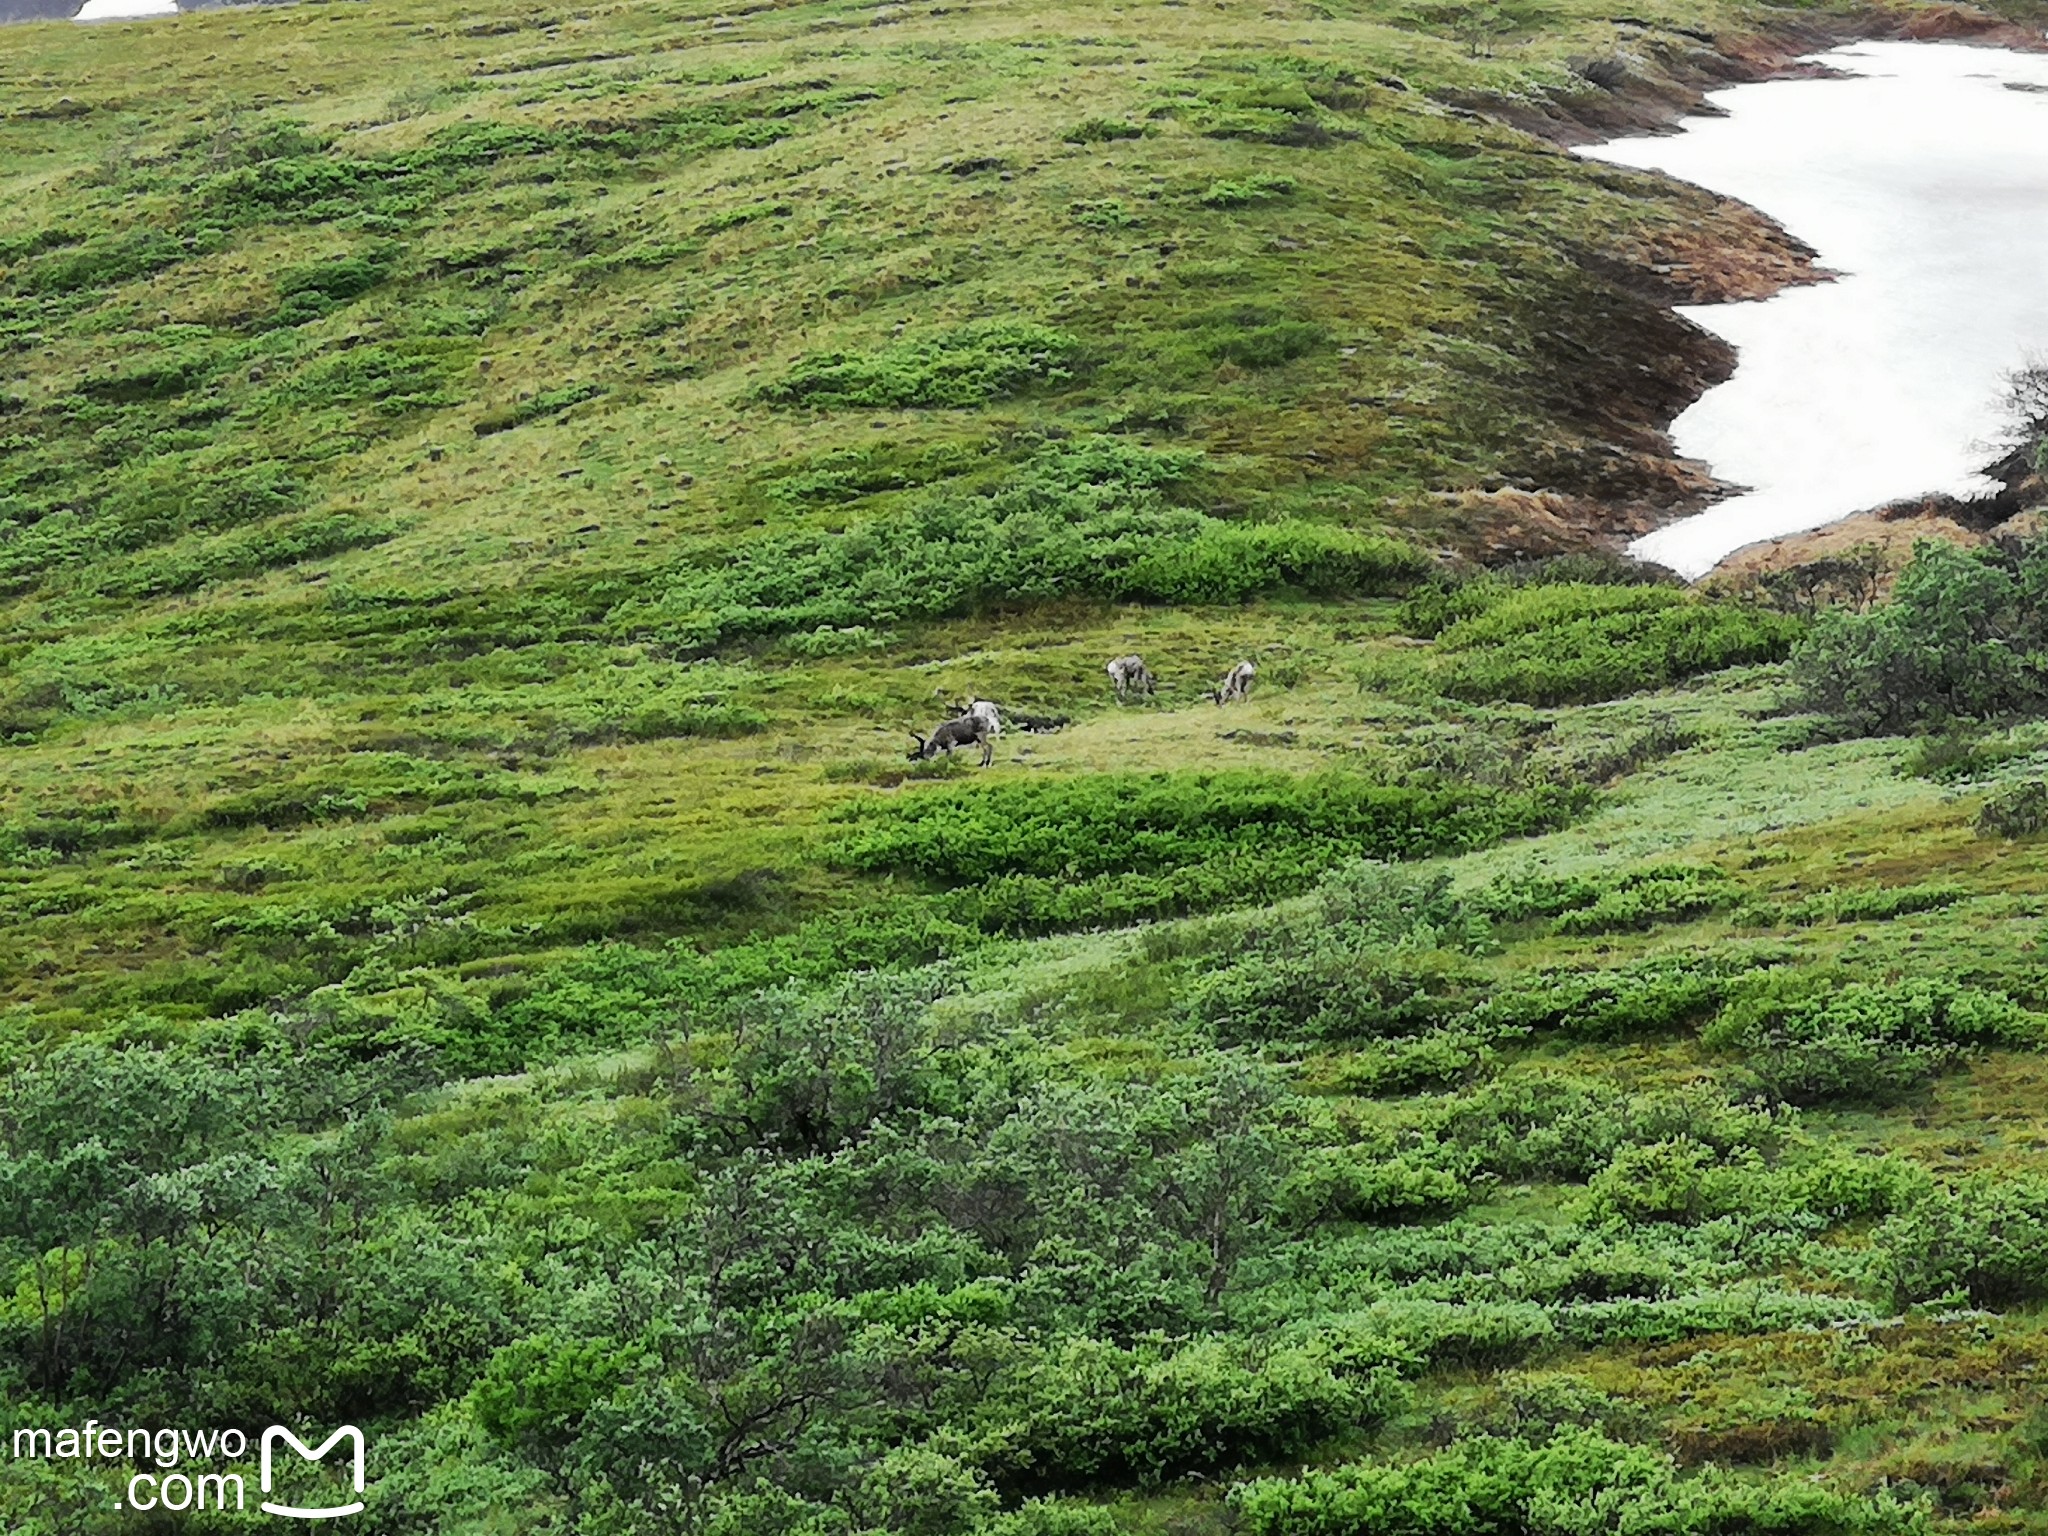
[(190, 458), (258, 737)]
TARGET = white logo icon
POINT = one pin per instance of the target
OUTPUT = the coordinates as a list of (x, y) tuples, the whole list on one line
[(276, 1433)]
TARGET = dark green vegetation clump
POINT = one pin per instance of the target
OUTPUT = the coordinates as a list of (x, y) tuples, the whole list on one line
[(1963, 639), (1097, 518), (485, 495), (1575, 642), (1110, 848), (971, 366)]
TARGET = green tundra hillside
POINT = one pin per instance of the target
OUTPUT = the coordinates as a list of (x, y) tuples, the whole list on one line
[(487, 493)]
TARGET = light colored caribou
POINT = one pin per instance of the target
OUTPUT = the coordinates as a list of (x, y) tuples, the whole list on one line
[(987, 713), (1130, 675), (1236, 684)]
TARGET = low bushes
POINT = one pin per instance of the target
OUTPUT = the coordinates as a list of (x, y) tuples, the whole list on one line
[(1246, 191), (1679, 1180), (968, 366), (1579, 1481), (1122, 822), (1646, 997), (548, 402), (1256, 336), (1380, 959), (1229, 562), (1632, 900), (1578, 642), (1474, 1335), (1986, 1240), (1961, 639), (1751, 1309), (1879, 904), (1443, 1058), (2018, 810), (314, 289), (1334, 992), (1103, 847), (1102, 130), (1559, 1126), (1808, 1042), (1091, 518), (1350, 1184), (1093, 1412), (1643, 898)]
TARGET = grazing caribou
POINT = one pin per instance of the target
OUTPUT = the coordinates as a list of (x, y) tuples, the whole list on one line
[(1130, 675), (987, 713), (964, 730), (1236, 684)]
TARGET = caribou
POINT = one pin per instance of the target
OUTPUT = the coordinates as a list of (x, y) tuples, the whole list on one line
[(961, 731), (1130, 675), (1002, 718), (1236, 684), (987, 713)]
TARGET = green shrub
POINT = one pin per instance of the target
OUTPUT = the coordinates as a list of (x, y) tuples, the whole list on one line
[(1270, 344), (1103, 213), (2018, 810), (972, 365), (1644, 998), (809, 1070), (1472, 1335), (1109, 847), (1044, 1517), (1229, 562), (1124, 822), (1810, 1041), (309, 291), (280, 541), (101, 263), (1961, 639), (1577, 643), (1679, 1180), (1247, 191), (1442, 1058), (1255, 335), (1093, 1413), (1985, 1239), (534, 1391), (1333, 991), (1102, 130), (159, 376), (1559, 1126), (1450, 597), (1373, 903), (1746, 1309), (395, 378), (827, 641), (664, 722), (1578, 1481), (1087, 518), (548, 402), (846, 474), (1642, 898), (1954, 755), (1526, 894), (612, 992), (1877, 905), (1349, 1184)]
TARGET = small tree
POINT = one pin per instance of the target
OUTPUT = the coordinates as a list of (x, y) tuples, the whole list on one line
[(1959, 640)]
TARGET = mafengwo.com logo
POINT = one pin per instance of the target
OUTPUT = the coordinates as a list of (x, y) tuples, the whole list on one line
[(182, 1469)]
